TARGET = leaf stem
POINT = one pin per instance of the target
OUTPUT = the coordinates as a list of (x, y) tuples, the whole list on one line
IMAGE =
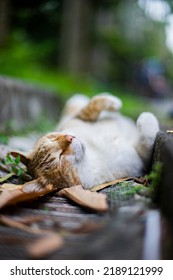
[(6, 177)]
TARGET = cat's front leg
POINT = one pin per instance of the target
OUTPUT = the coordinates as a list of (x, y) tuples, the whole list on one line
[(147, 126), (99, 103)]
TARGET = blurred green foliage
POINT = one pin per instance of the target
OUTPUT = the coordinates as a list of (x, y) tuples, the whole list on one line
[(23, 58), (121, 29), (3, 139)]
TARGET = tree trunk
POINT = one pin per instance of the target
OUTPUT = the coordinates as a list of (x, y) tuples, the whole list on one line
[(4, 21), (75, 34)]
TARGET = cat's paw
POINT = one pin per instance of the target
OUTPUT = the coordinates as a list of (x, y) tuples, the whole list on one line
[(106, 101), (99, 103), (148, 126)]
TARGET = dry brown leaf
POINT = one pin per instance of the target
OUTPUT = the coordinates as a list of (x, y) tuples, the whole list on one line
[(85, 198), (44, 245), (105, 185), (12, 194)]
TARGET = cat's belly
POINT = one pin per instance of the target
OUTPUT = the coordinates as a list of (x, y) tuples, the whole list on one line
[(104, 131), (101, 167)]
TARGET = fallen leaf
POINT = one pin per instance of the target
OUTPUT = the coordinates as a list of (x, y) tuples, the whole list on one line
[(85, 198), (43, 246), (12, 194)]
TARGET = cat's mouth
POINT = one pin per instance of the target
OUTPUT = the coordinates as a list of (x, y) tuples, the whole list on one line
[(75, 147)]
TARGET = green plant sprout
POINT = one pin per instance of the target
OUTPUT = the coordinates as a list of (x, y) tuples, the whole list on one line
[(14, 166)]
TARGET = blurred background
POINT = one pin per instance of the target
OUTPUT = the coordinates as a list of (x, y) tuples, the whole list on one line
[(88, 46)]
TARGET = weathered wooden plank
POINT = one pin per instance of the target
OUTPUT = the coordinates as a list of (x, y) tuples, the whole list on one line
[(87, 235)]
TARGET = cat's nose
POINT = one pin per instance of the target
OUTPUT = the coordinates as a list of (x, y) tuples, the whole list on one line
[(69, 138)]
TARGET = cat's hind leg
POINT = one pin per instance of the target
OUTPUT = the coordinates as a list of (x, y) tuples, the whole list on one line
[(99, 103), (147, 126)]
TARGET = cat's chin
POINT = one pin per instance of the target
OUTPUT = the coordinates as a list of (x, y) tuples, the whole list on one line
[(78, 148)]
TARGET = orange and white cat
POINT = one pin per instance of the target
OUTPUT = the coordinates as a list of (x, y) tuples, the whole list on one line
[(93, 144)]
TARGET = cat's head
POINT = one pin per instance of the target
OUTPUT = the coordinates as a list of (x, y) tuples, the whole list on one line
[(55, 159)]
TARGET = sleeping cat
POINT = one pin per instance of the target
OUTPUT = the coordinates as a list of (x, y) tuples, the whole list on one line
[(93, 144)]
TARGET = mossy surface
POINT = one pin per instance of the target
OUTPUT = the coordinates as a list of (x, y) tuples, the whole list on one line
[(126, 190)]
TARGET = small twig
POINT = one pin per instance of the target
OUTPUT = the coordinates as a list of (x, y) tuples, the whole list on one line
[(105, 185)]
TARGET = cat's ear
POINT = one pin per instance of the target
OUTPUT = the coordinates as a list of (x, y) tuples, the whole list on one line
[(24, 158), (37, 187), (33, 186)]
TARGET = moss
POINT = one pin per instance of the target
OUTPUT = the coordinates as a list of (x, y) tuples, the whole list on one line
[(127, 189), (155, 176)]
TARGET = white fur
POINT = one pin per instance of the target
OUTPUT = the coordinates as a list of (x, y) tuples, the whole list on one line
[(112, 147)]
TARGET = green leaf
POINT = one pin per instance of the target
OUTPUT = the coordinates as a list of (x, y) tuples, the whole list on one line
[(20, 172), (14, 166), (17, 159), (9, 160), (13, 169)]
